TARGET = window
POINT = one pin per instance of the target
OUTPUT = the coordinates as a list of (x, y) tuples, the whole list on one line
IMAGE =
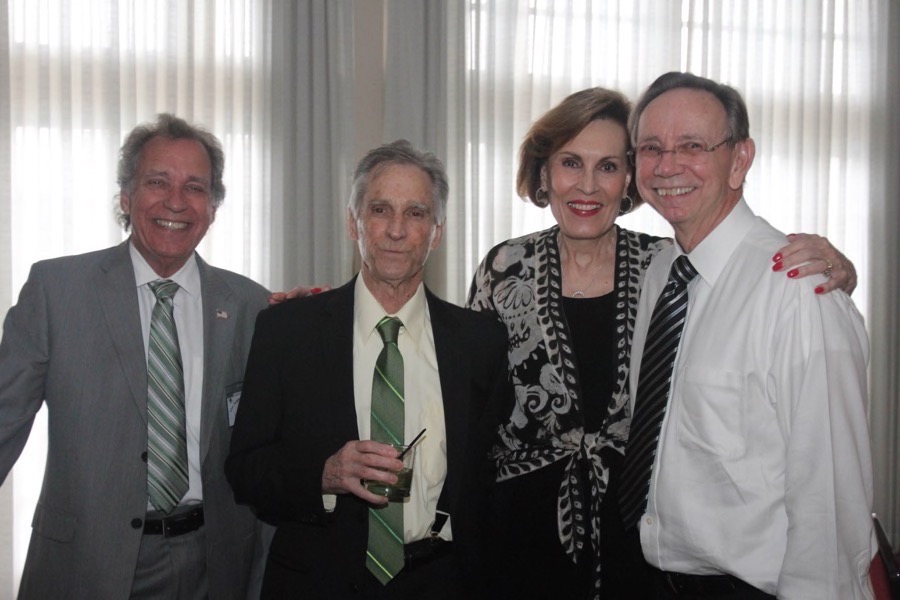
[(83, 74), (803, 69)]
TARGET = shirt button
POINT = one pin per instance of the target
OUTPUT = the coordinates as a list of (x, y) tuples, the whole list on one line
[(137, 523), (648, 520)]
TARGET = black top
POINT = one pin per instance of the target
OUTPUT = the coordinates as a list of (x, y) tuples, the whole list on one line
[(533, 563), (592, 325)]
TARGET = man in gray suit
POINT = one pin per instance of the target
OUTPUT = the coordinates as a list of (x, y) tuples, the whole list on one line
[(79, 340)]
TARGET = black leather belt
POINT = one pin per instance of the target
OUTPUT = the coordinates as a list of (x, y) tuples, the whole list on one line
[(701, 585), (177, 524), (418, 554)]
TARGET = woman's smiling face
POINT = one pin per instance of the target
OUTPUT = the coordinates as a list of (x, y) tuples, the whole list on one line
[(587, 178)]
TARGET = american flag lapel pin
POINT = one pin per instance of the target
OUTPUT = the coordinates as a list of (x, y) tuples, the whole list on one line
[(221, 314)]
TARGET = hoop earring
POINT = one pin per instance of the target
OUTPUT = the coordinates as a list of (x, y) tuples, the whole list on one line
[(622, 208)]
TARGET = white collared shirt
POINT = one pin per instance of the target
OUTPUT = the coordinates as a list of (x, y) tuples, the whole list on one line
[(423, 401), (763, 468), (188, 313)]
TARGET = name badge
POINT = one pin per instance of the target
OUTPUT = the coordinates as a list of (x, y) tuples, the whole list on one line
[(232, 400)]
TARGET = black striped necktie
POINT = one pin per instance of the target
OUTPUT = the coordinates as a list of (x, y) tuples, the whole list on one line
[(652, 396)]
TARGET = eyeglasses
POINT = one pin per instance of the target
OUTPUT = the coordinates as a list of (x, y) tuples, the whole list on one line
[(689, 151)]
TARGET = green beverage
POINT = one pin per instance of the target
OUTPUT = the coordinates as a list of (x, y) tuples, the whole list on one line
[(400, 490), (394, 493)]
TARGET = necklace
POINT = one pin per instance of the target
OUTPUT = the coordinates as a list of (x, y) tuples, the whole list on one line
[(580, 293)]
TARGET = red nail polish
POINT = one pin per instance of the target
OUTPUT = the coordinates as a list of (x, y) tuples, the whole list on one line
[(777, 258), (820, 290), (315, 290), (793, 273), (778, 266)]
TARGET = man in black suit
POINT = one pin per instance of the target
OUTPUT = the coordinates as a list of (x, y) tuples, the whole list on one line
[(301, 444)]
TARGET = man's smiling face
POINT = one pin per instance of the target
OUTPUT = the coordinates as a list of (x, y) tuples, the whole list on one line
[(170, 204), (693, 193)]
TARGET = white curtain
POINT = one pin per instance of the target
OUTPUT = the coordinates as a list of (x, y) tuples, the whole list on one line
[(310, 145), (81, 75), (270, 79), (274, 80), (883, 277), (817, 77)]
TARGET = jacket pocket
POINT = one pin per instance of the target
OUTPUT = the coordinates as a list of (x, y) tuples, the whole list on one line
[(53, 524)]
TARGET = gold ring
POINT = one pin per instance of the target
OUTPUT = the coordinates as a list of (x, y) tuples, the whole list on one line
[(828, 268)]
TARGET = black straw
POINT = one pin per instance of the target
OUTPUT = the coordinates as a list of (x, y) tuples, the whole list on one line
[(410, 445)]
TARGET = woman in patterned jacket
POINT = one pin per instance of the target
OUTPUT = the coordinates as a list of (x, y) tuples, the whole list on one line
[(568, 297)]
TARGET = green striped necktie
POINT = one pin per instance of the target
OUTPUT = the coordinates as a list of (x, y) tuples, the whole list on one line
[(384, 557), (167, 464)]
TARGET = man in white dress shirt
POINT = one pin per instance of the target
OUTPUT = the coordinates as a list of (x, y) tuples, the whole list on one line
[(761, 484)]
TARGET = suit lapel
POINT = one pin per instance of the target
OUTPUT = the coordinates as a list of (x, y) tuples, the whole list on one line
[(219, 320), (337, 342), (452, 371), (116, 293)]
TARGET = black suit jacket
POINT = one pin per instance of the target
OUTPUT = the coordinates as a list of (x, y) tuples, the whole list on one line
[(298, 408)]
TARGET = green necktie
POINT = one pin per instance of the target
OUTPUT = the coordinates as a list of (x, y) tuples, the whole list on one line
[(384, 557), (167, 464)]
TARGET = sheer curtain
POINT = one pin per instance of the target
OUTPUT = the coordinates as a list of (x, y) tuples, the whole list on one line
[(274, 80), (884, 272), (82, 74), (806, 70), (310, 148), (270, 79), (802, 67)]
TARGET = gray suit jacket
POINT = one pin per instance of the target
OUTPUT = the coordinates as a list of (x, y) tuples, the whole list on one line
[(74, 341)]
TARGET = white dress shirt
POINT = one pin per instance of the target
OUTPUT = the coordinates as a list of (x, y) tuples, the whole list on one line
[(188, 313), (423, 401), (763, 468)]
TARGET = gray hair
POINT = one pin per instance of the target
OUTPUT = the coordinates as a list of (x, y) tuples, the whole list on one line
[(730, 98), (171, 127), (400, 152)]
